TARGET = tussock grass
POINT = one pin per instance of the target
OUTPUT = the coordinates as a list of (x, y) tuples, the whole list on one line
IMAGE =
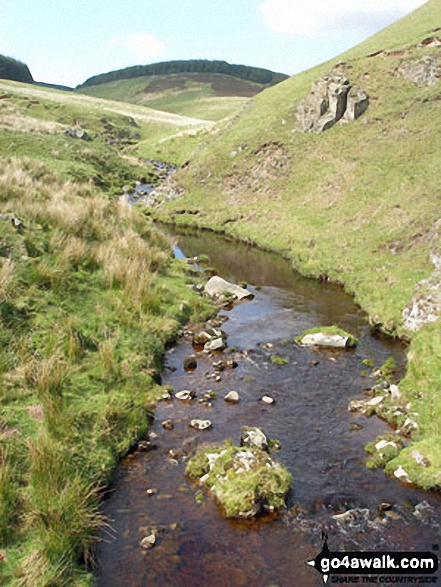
[(89, 295)]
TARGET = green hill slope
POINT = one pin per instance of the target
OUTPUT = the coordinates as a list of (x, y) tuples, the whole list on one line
[(199, 88), (201, 95), (14, 70), (358, 204)]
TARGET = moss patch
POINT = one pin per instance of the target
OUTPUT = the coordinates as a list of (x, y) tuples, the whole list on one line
[(243, 479)]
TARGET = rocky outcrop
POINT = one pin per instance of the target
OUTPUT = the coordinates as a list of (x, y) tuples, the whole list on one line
[(332, 99), (422, 72)]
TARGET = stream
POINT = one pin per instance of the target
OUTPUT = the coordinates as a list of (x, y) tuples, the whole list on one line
[(322, 445)]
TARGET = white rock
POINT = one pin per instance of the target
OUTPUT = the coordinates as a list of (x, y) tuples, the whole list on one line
[(325, 340), (268, 400), (217, 344), (408, 427), (395, 393), (232, 397), (401, 474), (200, 424), (217, 286), (385, 443), (419, 458), (149, 541), (356, 405), (375, 401), (253, 436), (185, 394)]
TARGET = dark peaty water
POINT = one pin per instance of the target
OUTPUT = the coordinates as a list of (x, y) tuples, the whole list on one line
[(196, 546)]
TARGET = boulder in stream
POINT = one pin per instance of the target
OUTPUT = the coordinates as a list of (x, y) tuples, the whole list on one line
[(216, 286), (245, 480), (327, 337)]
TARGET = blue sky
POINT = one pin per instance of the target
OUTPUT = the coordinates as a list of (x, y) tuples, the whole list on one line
[(67, 41)]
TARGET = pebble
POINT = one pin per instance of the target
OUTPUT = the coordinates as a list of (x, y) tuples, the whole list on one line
[(232, 397), (200, 424), (148, 541), (168, 425), (266, 399), (185, 394)]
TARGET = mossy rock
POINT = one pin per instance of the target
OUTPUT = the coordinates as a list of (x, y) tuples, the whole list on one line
[(243, 479), (328, 331)]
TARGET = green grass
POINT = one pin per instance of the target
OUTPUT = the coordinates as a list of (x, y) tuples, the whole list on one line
[(199, 95), (33, 121), (355, 205), (89, 296)]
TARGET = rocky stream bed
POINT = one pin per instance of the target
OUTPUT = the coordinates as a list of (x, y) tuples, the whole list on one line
[(169, 531)]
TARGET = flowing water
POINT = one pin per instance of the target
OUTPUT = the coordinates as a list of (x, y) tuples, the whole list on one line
[(322, 445)]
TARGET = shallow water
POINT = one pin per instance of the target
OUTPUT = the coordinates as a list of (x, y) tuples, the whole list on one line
[(196, 546)]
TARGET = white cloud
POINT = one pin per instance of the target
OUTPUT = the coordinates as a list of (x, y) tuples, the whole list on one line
[(312, 17), (141, 45)]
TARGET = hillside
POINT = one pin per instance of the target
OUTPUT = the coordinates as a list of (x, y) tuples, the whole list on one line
[(35, 121), (90, 294), (357, 204), (14, 70), (211, 96)]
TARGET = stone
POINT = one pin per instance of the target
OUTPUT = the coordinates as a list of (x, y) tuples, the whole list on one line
[(216, 286), (148, 541), (185, 394), (325, 340), (266, 399), (384, 444), (395, 393), (422, 72), (217, 344), (357, 104), (408, 427), (332, 98), (151, 491), (190, 363), (420, 459), (253, 437), (168, 425), (375, 401), (232, 397), (356, 405), (401, 474), (200, 424), (77, 134)]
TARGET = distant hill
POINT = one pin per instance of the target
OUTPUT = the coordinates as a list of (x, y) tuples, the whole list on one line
[(54, 86), (210, 96), (14, 70), (245, 72), (211, 90)]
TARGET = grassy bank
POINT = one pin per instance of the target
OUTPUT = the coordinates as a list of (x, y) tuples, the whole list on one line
[(89, 296), (358, 204)]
